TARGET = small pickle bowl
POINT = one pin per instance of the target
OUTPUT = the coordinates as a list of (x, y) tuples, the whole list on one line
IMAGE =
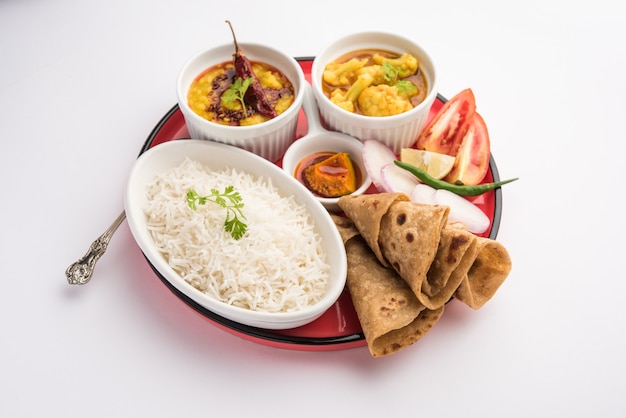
[(216, 157), (397, 131), (268, 139), (319, 140)]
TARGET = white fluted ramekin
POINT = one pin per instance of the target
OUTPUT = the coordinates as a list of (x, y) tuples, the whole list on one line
[(397, 131), (269, 139)]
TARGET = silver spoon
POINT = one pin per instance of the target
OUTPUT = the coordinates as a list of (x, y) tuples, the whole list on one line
[(81, 271)]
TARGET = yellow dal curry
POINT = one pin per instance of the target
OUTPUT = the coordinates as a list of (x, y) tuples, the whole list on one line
[(205, 94)]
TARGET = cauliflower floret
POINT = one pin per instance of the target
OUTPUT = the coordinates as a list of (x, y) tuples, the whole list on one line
[(375, 71), (342, 74), (405, 65), (383, 100), (406, 89), (345, 99), (338, 97)]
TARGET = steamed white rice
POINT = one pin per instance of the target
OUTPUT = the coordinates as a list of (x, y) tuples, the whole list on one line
[(277, 266)]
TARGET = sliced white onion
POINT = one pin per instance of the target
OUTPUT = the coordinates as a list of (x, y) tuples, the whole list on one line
[(397, 180), (462, 210), (423, 193), (375, 156)]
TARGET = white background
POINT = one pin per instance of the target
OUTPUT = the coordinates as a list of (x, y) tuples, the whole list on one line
[(82, 84)]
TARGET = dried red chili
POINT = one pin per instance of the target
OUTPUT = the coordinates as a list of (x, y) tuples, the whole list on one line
[(255, 96)]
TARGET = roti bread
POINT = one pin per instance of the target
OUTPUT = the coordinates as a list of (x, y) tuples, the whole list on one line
[(390, 314), (455, 255), (367, 211), (489, 269), (406, 261), (345, 226), (409, 239), (406, 236)]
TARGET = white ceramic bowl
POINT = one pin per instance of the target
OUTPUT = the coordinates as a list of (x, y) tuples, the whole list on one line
[(397, 131), (269, 139), (220, 156), (319, 139)]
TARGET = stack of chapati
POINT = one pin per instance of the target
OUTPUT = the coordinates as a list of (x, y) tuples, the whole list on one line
[(405, 261)]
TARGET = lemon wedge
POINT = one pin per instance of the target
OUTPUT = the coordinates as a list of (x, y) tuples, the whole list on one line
[(436, 164)]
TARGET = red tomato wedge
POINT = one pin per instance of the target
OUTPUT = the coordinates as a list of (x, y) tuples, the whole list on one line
[(472, 158), (443, 133)]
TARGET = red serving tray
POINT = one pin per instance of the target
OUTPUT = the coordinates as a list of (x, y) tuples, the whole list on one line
[(339, 327)]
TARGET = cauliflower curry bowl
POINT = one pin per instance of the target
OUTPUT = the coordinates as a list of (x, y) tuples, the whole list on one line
[(375, 86), (211, 98)]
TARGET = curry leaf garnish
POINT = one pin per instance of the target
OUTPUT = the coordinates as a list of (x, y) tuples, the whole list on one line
[(236, 92), (406, 88), (230, 200), (390, 73)]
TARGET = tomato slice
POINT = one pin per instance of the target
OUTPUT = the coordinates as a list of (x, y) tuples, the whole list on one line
[(472, 159), (443, 133)]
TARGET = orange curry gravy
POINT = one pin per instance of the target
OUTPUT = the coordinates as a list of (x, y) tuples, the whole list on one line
[(418, 79), (318, 157)]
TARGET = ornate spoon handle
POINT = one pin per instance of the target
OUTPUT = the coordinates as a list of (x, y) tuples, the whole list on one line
[(81, 271)]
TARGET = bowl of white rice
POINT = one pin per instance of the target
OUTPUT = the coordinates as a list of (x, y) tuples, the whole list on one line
[(284, 270)]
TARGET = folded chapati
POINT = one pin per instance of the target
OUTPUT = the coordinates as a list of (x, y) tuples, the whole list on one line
[(390, 315), (409, 238), (489, 269), (455, 255), (405, 261), (345, 226), (367, 211)]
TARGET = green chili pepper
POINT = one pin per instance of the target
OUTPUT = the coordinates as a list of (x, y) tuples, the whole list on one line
[(459, 189)]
